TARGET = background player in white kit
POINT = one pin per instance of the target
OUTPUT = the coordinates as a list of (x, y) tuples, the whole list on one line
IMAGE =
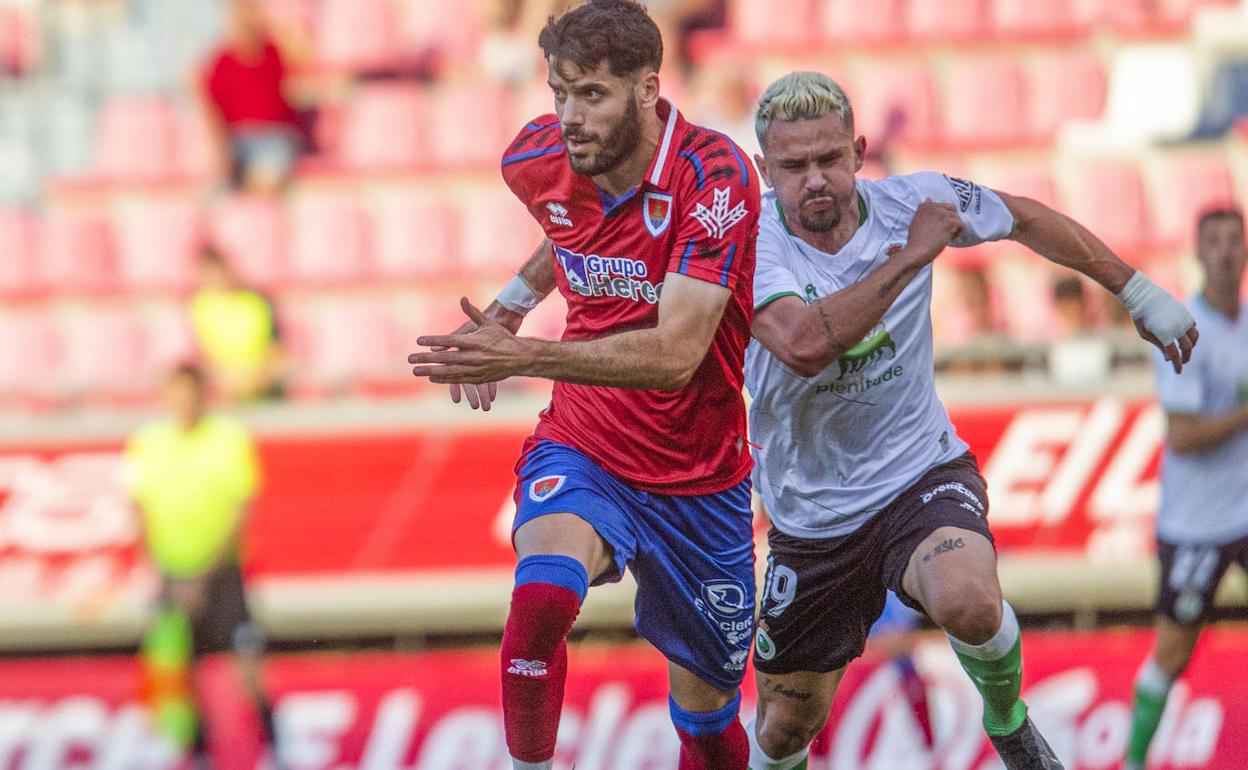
[(868, 485), (1202, 525)]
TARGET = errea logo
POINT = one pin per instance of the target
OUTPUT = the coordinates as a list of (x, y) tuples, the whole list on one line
[(559, 214)]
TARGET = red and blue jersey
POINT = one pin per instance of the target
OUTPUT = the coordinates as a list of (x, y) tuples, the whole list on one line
[(695, 213)]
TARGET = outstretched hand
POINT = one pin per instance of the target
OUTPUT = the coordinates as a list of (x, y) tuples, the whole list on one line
[(480, 353)]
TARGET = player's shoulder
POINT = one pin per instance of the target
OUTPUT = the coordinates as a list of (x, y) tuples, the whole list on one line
[(535, 151), (153, 433), (709, 158)]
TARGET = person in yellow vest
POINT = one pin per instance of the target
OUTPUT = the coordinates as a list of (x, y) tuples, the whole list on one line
[(236, 331), (192, 476)]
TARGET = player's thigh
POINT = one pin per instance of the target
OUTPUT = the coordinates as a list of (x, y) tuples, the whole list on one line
[(568, 506), (1189, 578), (795, 705), (565, 534), (951, 568), (695, 582), (819, 598)]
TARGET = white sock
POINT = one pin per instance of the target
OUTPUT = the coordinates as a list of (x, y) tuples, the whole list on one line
[(999, 645), (1152, 679), (759, 759), (518, 765)]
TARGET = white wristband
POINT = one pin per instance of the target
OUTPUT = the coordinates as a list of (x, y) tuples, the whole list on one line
[(517, 296), (1162, 315)]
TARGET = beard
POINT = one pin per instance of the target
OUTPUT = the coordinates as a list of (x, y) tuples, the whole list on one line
[(819, 221), (618, 145)]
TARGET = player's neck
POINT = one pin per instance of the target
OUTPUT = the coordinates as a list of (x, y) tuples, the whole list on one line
[(832, 241), (1223, 300), (632, 170)]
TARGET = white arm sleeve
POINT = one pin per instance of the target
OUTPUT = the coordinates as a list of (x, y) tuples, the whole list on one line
[(773, 278), (984, 215)]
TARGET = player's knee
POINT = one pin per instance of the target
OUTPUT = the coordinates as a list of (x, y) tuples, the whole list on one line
[(784, 732), (971, 613)]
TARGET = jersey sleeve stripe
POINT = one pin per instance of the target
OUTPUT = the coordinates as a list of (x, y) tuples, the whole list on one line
[(745, 176), (520, 156), (723, 274), (697, 166), (774, 297), (535, 126), (684, 258)]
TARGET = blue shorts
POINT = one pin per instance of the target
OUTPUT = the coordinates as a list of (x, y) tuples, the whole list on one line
[(897, 617), (692, 556)]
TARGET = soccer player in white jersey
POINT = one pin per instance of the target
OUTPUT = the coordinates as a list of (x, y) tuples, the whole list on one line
[(868, 485), (1202, 525)]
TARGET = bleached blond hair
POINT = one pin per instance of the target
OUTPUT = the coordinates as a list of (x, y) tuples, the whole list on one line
[(801, 96)]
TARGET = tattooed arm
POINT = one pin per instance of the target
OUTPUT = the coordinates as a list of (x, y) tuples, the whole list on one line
[(808, 338)]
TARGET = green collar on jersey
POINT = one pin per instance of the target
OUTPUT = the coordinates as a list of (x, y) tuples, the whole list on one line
[(862, 215)]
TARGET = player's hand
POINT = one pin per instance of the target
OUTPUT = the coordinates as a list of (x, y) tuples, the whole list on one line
[(482, 396), (1160, 319), (485, 355), (933, 227)]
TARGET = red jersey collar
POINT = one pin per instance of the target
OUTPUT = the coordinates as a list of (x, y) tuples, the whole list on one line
[(660, 171)]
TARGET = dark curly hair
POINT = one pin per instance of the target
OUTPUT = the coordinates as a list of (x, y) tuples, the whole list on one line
[(619, 32)]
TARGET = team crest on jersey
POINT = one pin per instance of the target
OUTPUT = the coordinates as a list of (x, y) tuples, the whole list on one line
[(543, 488), (656, 210)]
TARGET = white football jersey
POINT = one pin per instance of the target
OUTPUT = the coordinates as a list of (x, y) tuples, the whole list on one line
[(1204, 495), (835, 448)]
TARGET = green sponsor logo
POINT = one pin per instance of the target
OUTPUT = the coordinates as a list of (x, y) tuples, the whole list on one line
[(763, 644), (867, 352)]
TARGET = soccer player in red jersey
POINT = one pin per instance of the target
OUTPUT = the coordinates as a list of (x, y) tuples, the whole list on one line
[(640, 461)]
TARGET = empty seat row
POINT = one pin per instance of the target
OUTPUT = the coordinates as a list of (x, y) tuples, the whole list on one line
[(893, 22)]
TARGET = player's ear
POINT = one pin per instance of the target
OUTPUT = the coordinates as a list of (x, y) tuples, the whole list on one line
[(648, 90), (761, 163), (860, 153)]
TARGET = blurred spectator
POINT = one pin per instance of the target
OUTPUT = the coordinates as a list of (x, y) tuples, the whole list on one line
[(1078, 352), (192, 476), (977, 331), (1226, 102), (721, 95), (256, 130), (236, 330)]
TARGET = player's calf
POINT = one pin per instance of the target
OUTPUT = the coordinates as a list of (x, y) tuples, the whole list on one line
[(546, 600)]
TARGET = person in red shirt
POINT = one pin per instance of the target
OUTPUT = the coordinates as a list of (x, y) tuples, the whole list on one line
[(641, 459), (253, 123)]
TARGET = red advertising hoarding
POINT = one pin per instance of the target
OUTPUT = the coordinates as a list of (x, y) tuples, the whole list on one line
[(440, 711), (1076, 477)]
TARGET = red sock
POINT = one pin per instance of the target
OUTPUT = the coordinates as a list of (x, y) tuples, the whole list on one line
[(729, 750), (535, 661)]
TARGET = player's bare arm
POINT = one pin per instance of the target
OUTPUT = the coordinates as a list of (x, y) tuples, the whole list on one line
[(808, 338), (1189, 433), (1160, 318), (664, 357), (533, 283)]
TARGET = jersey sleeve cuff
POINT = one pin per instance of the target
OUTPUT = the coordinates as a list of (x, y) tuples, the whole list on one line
[(772, 298)]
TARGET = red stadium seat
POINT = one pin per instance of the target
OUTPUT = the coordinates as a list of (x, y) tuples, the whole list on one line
[(1028, 19), (1108, 197), (896, 90), (249, 231), (848, 22), (985, 102), (470, 123), (497, 233), (357, 35), (158, 243), (18, 233), (347, 339), (1030, 180), (28, 352), (947, 20), (77, 250), (386, 128), (1188, 184), (328, 238), (423, 27), (416, 233), (760, 25), (1065, 85), (104, 352), (137, 140)]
